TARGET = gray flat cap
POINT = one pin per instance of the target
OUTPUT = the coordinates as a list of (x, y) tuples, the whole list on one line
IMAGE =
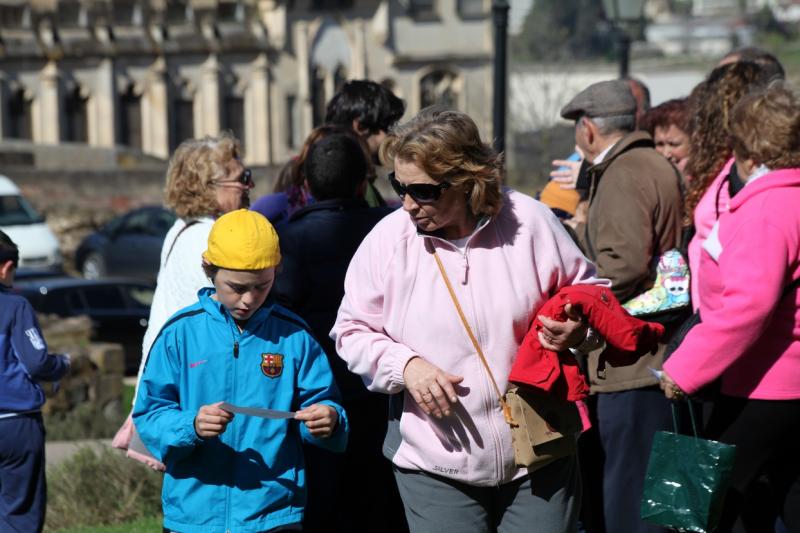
[(602, 99)]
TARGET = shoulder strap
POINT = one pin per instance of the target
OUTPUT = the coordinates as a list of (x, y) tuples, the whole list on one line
[(500, 396), (184, 228)]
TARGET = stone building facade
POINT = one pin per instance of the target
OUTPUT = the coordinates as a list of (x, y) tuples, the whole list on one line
[(150, 73)]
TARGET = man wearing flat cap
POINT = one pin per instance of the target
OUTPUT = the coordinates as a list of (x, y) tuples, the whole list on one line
[(634, 216)]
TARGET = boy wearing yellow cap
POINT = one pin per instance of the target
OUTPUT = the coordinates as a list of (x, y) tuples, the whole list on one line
[(242, 472)]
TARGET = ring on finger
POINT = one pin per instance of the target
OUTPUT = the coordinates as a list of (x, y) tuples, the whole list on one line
[(427, 397)]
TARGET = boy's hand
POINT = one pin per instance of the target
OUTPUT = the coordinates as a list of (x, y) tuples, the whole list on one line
[(211, 421), (320, 419)]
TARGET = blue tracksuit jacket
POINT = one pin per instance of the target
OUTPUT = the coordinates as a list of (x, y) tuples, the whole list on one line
[(250, 478), (23, 357)]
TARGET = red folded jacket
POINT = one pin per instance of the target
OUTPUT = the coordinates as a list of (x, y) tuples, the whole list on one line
[(627, 339)]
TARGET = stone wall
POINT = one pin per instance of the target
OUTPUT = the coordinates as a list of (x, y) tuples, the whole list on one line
[(96, 368)]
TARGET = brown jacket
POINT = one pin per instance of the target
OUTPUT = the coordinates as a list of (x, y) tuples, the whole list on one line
[(634, 217)]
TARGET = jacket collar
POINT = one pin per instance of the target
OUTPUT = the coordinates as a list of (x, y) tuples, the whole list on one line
[(636, 139), (339, 204), (787, 177)]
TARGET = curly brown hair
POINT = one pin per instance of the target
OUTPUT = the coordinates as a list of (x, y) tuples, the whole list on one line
[(711, 103), (192, 169), (765, 127), (447, 146)]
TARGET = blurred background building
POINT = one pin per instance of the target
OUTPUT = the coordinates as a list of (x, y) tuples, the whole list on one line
[(147, 74)]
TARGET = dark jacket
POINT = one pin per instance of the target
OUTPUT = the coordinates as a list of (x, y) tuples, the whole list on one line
[(634, 217), (317, 244), (24, 359)]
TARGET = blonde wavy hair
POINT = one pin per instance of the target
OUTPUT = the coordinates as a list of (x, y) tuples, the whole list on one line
[(448, 147), (765, 127), (193, 168)]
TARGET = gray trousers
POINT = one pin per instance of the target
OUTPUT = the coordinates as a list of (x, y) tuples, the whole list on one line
[(546, 501)]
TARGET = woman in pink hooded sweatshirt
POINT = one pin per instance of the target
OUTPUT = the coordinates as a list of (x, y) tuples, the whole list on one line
[(749, 337), (505, 254)]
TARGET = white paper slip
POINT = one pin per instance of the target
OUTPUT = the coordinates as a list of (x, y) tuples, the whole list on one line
[(656, 373), (257, 411)]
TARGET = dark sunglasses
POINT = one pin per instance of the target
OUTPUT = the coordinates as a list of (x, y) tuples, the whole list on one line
[(245, 178), (422, 193)]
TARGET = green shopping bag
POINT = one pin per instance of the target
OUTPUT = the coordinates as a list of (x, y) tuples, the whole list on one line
[(687, 478)]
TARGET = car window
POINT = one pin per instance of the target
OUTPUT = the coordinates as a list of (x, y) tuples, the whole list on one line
[(160, 221), (16, 211), (103, 298), (136, 222), (139, 295)]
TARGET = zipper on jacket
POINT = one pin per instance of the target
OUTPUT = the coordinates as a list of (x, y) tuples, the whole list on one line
[(234, 437), (489, 406)]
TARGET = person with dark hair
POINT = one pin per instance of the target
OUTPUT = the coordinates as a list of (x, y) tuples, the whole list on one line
[(290, 192), (24, 362), (370, 109), (317, 244), (668, 124), (367, 107), (772, 67)]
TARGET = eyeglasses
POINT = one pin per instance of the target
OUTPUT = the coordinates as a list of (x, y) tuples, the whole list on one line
[(245, 178), (422, 193)]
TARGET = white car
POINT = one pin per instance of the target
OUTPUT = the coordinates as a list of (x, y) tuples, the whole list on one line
[(38, 247)]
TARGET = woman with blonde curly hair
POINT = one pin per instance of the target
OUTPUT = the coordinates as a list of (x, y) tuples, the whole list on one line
[(205, 179), (397, 327), (749, 337), (710, 158)]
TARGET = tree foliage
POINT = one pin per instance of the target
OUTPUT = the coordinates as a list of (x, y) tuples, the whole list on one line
[(556, 30)]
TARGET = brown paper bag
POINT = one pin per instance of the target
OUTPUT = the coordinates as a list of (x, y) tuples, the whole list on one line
[(545, 428)]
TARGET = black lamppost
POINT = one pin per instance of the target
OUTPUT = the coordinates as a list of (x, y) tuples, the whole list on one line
[(624, 16), (500, 20)]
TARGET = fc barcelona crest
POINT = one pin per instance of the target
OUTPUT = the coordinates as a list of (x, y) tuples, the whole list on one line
[(271, 364)]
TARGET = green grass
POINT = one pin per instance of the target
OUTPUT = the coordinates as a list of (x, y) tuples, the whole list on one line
[(143, 525), (127, 397), (103, 491)]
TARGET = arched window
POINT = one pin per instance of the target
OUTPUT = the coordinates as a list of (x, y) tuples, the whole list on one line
[(183, 114), (233, 118), (76, 118), (318, 100), (130, 119), (439, 87), (339, 77), (20, 124)]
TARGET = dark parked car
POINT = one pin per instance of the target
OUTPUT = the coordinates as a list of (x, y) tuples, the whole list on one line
[(118, 308), (129, 245)]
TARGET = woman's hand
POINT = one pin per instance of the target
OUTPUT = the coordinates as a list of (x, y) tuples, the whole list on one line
[(559, 336), (320, 419), (671, 389), (211, 420), (430, 386)]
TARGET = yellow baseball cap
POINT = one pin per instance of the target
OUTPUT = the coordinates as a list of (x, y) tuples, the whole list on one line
[(243, 240)]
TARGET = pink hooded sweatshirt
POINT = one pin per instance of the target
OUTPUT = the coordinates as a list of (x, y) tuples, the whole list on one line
[(396, 306), (716, 197), (750, 330)]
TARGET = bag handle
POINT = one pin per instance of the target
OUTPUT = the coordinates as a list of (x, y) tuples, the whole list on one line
[(691, 417), (500, 396)]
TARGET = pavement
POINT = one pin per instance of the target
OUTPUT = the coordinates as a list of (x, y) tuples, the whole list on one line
[(58, 451)]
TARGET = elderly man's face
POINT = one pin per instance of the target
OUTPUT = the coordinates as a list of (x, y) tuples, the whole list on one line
[(233, 191)]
